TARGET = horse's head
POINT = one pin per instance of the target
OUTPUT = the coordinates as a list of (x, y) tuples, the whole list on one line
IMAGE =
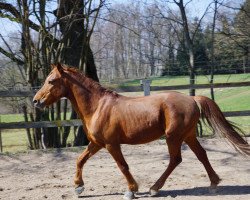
[(53, 88)]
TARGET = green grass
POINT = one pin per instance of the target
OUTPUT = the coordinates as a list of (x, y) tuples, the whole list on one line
[(229, 99), (14, 140), (183, 80), (12, 118)]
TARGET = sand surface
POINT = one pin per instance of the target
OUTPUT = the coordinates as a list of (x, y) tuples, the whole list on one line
[(38, 175)]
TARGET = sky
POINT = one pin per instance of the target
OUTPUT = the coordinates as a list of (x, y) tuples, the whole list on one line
[(198, 6), (195, 8)]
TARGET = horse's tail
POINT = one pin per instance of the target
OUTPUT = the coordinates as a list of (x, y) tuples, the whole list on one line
[(215, 118)]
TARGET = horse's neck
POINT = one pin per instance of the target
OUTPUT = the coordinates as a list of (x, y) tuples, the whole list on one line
[(84, 100)]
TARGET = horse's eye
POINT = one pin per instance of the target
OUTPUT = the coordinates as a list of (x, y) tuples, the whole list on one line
[(51, 81)]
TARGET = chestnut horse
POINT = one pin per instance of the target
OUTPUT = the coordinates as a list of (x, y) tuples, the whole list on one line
[(111, 119)]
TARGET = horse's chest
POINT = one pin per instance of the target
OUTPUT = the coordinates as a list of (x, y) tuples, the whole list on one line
[(95, 126), (98, 124)]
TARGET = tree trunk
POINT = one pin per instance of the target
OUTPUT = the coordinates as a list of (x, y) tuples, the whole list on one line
[(246, 60), (76, 51), (212, 50), (188, 45)]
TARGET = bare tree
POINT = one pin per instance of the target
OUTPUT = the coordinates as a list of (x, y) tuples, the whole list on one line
[(212, 47), (76, 21), (188, 44)]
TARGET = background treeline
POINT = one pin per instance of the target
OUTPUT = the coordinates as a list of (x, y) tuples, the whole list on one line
[(141, 40)]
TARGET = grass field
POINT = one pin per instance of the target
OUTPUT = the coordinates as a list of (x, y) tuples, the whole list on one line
[(183, 80), (229, 99)]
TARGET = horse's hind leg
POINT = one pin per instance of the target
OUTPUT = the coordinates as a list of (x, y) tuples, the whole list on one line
[(201, 154), (174, 148), (115, 151), (88, 152)]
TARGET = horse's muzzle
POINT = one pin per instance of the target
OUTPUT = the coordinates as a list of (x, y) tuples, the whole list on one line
[(38, 104)]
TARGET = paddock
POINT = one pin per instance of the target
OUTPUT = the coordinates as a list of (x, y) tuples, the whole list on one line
[(49, 174)]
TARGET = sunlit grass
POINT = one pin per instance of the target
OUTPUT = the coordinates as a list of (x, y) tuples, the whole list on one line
[(183, 80), (12, 118)]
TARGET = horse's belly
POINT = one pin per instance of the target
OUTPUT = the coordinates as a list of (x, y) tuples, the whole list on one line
[(142, 136)]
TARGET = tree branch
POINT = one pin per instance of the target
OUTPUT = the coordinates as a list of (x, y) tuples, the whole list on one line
[(11, 56), (17, 16)]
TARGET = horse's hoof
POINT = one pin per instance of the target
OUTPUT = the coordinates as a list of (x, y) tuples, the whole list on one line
[(153, 192), (79, 190), (129, 195)]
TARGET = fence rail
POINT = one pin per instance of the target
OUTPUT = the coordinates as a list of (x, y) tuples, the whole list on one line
[(15, 93), (41, 124), (78, 122)]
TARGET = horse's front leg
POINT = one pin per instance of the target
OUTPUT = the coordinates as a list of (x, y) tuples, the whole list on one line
[(115, 151), (87, 153)]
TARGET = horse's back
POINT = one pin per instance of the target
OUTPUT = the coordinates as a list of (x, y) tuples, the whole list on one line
[(155, 115), (142, 119)]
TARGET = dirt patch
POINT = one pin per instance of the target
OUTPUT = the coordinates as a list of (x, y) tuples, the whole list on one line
[(37, 175)]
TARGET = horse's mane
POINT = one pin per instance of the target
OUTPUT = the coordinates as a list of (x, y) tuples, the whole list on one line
[(88, 82)]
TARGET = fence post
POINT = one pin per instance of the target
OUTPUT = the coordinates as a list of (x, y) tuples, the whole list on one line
[(27, 129), (1, 143), (146, 86)]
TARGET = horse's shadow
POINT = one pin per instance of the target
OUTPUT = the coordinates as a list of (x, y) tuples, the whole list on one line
[(198, 191), (204, 191), (98, 195)]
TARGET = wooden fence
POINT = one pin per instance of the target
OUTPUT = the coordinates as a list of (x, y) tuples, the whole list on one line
[(145, 86)]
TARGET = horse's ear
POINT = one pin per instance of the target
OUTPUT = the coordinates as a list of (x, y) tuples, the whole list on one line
[(52, 66), (59, 68)]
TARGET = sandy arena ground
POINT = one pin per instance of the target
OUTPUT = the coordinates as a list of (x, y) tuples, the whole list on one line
[(49, 175)]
